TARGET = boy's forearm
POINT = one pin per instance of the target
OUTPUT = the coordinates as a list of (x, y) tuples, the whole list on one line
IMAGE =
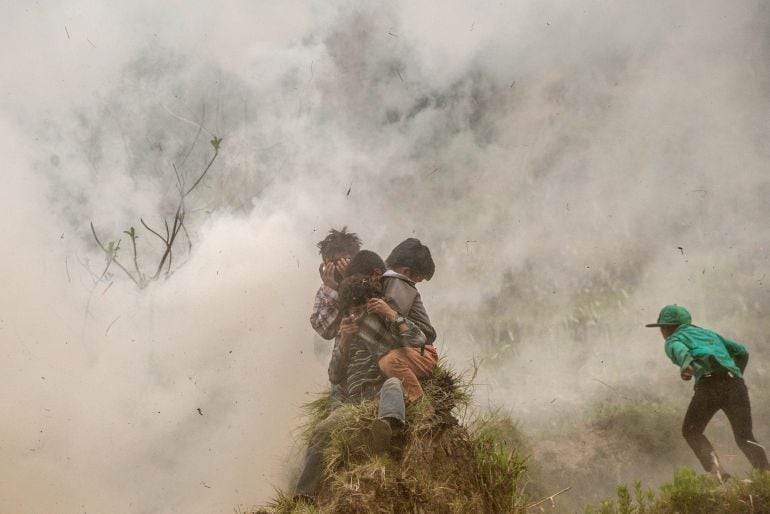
[(411, 335), (324, 327)]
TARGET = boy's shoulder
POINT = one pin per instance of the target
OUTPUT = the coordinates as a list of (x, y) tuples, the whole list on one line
[(390, 278), (693, 335)]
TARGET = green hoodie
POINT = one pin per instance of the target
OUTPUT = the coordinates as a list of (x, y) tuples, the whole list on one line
[(706, 351)]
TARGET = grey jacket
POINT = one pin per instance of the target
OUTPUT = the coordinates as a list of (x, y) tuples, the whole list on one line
[(402, 295)]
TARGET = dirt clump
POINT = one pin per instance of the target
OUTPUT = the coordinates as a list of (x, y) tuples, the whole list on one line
[(436, 465)]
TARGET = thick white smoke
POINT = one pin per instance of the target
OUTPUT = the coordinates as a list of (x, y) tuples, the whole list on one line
[(572, 167)]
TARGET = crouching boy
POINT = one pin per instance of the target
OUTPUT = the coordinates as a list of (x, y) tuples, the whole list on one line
[(409, 263)]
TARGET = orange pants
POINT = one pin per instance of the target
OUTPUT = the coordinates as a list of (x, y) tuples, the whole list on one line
[(408, 365)]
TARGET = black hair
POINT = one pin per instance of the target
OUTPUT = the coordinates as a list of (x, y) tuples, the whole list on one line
[(365, 263), (357, 290), (412, 254), (339, 241)]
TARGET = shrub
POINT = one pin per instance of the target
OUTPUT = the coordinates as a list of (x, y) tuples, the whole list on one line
[(693, 493)]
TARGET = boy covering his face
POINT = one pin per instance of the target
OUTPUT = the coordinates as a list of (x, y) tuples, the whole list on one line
[(336, 250)]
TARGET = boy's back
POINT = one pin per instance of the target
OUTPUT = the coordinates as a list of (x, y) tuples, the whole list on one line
[(403, 296)]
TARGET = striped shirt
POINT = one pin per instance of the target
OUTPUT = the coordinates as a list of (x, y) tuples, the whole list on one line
[(359, 371)]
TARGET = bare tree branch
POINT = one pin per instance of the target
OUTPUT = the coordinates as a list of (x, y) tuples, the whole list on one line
[(151, 230), (179, 179), (172, 232), (187, 235), (132, 234), (215, 143)]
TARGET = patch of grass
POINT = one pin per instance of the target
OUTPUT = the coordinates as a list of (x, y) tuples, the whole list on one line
[(501, 427), (287, 504), (449, 390), (349, 443), (499, 470), (652, 427), (692, 493), (315, 412)]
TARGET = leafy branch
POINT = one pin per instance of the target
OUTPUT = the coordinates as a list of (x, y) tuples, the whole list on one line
[(169, 236)]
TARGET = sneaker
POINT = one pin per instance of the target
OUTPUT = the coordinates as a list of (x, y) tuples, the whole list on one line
[(717, 470), (721, 476), (381, 435), (396, 426)]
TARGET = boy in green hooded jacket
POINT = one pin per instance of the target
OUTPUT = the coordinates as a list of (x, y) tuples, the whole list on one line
[(717, 364)]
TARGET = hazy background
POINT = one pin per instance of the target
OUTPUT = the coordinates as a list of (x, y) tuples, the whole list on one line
[(573, 167)]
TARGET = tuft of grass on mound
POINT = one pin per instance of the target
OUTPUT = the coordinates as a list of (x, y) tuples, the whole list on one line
[(435, 465)]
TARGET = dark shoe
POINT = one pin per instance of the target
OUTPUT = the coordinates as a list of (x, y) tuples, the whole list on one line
[(396, 427), (721, 475), (717, 470), (381, 435)]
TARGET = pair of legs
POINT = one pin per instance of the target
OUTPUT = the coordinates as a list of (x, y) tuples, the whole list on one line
[(410, 365), (391, 407), (730, 395)]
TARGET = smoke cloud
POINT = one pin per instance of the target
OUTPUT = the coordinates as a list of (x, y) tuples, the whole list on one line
[(572, 167)]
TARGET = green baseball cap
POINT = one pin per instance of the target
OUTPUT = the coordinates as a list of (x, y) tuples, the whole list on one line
[(672, 315)]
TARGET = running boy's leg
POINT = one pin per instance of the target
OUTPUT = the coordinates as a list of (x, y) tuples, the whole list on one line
[(704, 404), (738, 410)]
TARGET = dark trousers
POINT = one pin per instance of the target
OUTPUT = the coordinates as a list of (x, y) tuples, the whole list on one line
[(729, 394)]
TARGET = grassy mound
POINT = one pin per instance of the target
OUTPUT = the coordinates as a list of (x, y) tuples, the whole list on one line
[(438, 464)]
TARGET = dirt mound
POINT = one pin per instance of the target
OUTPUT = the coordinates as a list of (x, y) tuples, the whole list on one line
[(437, 464)]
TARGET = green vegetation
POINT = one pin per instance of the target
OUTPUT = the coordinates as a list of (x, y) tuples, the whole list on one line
[(495, 462), (692, 493), (486, 463), (650, 426), (436, 465), (450, 460)]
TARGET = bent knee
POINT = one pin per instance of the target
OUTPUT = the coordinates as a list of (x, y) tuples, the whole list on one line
[(391, 388), (689, 431), (391, 360), (393, 383)]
